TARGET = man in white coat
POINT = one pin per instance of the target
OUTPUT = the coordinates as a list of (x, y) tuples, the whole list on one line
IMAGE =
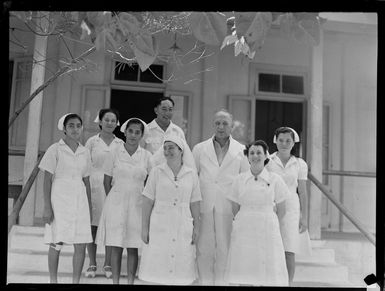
[(161, 125), (218, 160)]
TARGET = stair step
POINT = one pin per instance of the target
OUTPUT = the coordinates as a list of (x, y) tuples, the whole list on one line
[(321, 284), (319, 255), (320, 272)]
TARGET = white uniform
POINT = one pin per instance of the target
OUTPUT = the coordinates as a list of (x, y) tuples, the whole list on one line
[(294, 170), (169, 257), (216, 214), (256, 254), (99, 151), (155, 136), (121, 219), (71, 223)]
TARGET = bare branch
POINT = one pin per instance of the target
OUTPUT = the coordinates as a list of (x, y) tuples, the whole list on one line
[(68, 49), (60, 72)]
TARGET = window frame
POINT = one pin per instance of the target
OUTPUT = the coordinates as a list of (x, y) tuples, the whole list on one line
[(138, 83), (12, 142)]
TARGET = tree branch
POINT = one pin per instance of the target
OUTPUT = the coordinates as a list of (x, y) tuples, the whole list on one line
[(60, 72)]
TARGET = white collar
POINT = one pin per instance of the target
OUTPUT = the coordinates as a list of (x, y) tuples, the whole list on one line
[(79, 149), (277, 160), (154, 124), (264, 175)]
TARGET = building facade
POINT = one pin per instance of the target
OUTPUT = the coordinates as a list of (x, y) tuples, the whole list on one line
[(327, 93)]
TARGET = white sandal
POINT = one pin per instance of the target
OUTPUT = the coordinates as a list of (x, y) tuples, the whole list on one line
[(91, 272)]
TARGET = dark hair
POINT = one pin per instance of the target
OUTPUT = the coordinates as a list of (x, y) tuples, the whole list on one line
[(136, 121), (285, 129), (163, 98), (71, 116), (103, 111), (259, 142)]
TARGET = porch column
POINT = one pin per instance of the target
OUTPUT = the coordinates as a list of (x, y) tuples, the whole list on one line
[(315, 138), (209, 92), (27, 212)]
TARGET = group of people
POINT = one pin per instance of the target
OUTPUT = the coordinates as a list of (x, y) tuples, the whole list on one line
[(220, 214)]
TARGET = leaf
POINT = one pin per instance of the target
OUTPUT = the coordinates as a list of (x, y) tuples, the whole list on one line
[(144, 60), (97, 19), (202, 28), (229, 40), (145, 50), (258, 29), (128, 23), (240, 46), (85, 30), (243, 21), (219, 24)]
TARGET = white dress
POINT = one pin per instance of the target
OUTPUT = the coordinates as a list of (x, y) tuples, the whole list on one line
[(169, 257), (256, 255), (99, 151), (121, 219), (71, 223), (294, 170)]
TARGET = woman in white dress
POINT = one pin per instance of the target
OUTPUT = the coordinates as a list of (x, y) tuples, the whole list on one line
[(170, 218), (100, 146), (67, 196), (293, 170), (256, 255), (125, 172)]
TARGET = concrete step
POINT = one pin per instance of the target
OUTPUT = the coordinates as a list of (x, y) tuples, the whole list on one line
[(28, 262), (319, 255), (320, 272)]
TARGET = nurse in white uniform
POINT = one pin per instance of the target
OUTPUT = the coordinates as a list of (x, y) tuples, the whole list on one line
[(161, 125), (294, 171), (67, 196), (170, 224), (100, 146), (256, 255), (125, 172)]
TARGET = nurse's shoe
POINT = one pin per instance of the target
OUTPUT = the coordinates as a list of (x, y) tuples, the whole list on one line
[(91, 272), (107, 270)]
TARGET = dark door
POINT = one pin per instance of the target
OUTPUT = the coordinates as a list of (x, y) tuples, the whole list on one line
[(134, 104), (269, 115)]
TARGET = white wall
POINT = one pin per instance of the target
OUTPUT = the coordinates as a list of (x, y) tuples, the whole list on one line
[(350, 88)]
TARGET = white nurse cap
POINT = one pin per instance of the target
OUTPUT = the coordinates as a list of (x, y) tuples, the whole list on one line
[(124, 125), (60, 123), (296, 136)]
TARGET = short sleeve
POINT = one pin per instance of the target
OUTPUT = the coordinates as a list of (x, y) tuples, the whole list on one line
[(234, 190), (109, 162), (196, 192), (245, 166), (49, 161), (87, 170), (149, 165), (196, 155), (88, 144), (149, 189), (281, 191), (303, 169)]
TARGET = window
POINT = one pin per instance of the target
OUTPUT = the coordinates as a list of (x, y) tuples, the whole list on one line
[(123, 72), (21, 84), (281, 83)]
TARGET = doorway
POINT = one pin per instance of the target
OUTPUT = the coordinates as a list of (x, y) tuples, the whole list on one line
[(269, 115), (134, 104)]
